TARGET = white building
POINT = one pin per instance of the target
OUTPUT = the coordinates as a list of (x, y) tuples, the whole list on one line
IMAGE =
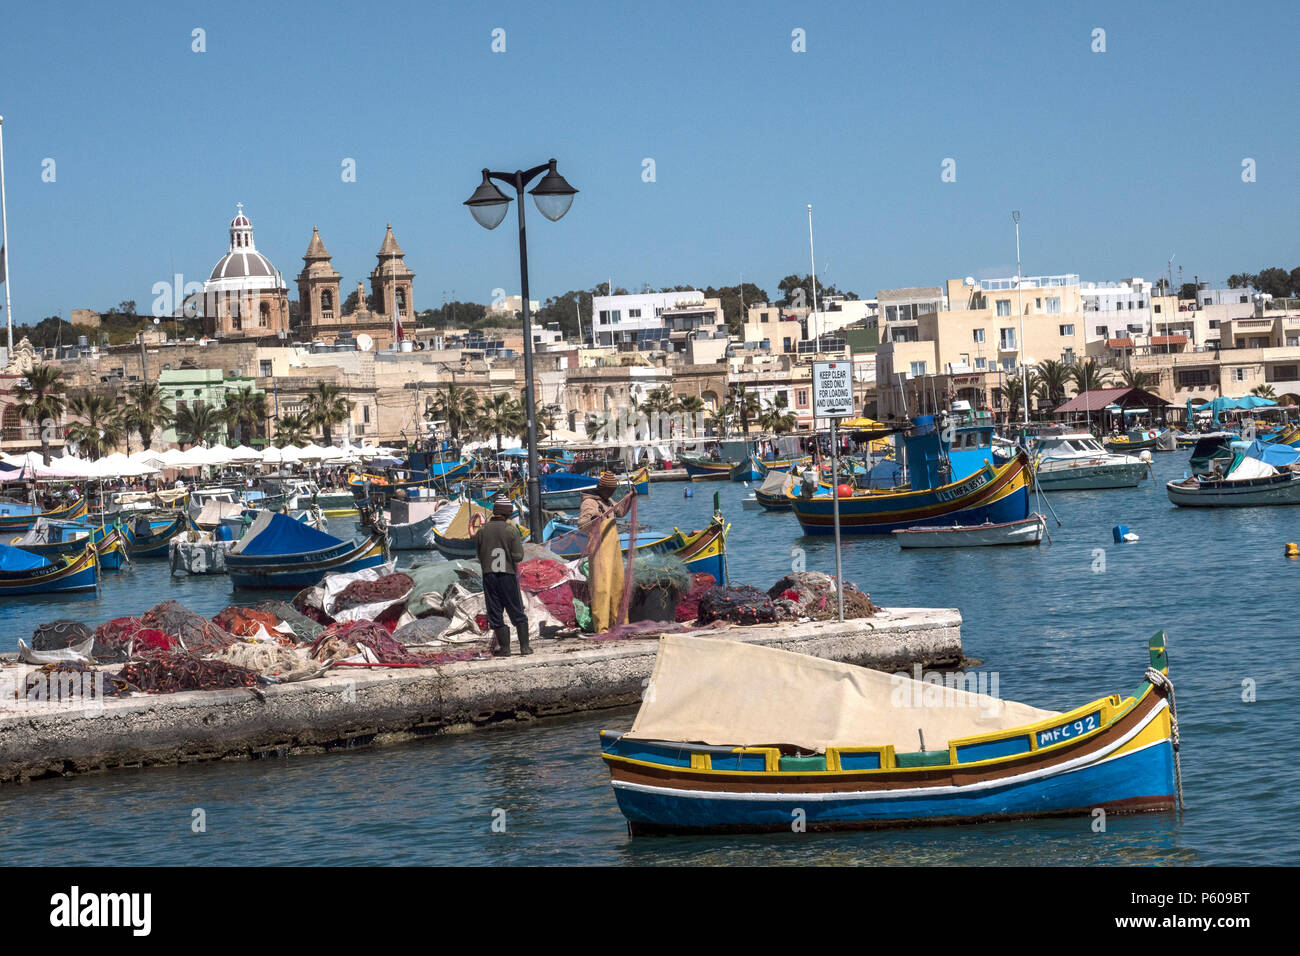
[(650, 320), (1117, 310)]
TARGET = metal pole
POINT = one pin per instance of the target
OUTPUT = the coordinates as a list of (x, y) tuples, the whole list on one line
[(534, 487), (835, 497), (4, 239), (1020, 305), (812, 258)]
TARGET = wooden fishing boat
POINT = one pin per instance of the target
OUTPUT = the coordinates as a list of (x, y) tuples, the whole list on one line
[(24, 573), (707, 469), (379, 487), (1282, 487), (776, 491), (1026, 531), (53, 538), (111, 549), (280, 552), (994, 494), (563, 490), (741, 737), (457, 541), (640, 481), (148, 536), (1136, 439), (20, 517), (704, 550), (763, 468)]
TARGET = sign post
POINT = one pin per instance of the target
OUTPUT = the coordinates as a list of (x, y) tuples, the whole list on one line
[(832, 388)]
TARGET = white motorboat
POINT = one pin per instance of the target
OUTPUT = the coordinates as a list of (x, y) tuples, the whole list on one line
[(1076, 461), (1251, 483), (1024, 531)]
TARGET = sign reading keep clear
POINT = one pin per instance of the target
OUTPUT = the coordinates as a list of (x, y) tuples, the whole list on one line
[(832, 388)]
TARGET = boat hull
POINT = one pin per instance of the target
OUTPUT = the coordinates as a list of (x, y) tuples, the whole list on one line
[(1090, 476), (1254, 492), (1026, 532), (993, 495), (286, 572), (66, 575), (703, 469)]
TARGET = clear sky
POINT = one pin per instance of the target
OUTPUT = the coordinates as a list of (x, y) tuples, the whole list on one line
[(1116, 159)]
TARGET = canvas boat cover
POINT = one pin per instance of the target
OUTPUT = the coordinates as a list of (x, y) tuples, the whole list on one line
[(458, 529), (273, 533), (1245, 468), (776, 483), (214, 511), (15, 559), (1273, 454), (727, 693)]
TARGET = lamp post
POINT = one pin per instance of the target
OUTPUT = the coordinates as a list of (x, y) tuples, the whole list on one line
[(489, 205), (1020, 306)]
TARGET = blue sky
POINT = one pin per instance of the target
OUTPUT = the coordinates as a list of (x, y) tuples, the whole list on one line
[(1115, 159)]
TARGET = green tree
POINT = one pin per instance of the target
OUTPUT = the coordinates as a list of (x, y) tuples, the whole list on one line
[(748, 406), (721, 418), (146, 411), (777, 417), (791, 285), (1051, 380), (457, 405), (501, 415), (42, 402), (1187, 290), (1088, 376), (1131, 378), (1264, 391), (196, 423), (736, 300), (1275, 281), (292, 430), (245, 408), (99, 428), (325, 408), (1013, 393)]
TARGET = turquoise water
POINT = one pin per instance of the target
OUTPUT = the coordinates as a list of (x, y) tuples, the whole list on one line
[(1057, 626)]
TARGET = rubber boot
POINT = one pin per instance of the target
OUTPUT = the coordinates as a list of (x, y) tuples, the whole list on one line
[(501, 642), (523, 641)]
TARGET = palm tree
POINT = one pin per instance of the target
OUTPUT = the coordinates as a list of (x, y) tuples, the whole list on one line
[(660, 401), (326, 407), (292, 430), (1088, 376), (146, 411), (720, 419), (1264, 391), (457, 405), (501, 415), (1051, 380), (196, 423), (777, 417), (1014, 392), (245, 407), (748, 406), (101, 427), (41, 402), (1135, 379), (691, 404)]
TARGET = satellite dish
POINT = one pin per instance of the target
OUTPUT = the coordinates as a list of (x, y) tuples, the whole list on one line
[(970, 280), (364, 342)]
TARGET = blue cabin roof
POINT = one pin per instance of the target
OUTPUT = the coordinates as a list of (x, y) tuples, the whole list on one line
[(933, 461)]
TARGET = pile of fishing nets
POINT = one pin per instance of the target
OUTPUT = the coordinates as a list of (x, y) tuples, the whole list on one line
[(71, 681), (744, 605), (305, 630), (688, 606), (124, 637), (385, 590), (811, 594), (178, 671), (254, 624), (280, 663), (60, 634), (198, 635), (549, 581), (346, 639)]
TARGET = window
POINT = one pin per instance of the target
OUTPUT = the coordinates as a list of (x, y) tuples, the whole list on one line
[(1157, 308), (762, 316), (264, 368), (1038, 304), (1067, 330), (1283, 373), (365, 413), (786, 344), (918, 368), (979, 336), (1054, 305), (980, 364), (1239, 375), (327, 304), (1007, 338), (1214, 323), (1067, 357), (801, 397), (1004, 306), (1101, 330), (1207, 301), (634, 313)]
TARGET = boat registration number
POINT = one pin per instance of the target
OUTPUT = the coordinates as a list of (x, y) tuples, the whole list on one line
[(965, 488), (1075, 728)]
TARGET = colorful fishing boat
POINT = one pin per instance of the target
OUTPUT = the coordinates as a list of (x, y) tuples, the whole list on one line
[(760, 469), (1135, 440), (994, 494), (457, 540), (776, 491), (707, 469), (563, 490), (279, 552), (24, 573), (22, 517), (704, 550), (379, 487), (111, 549), (739, 737), (147, 536), (640, 481), (1026, 531)]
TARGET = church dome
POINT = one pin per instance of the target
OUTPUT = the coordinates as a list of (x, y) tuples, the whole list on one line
[(243, 268), (241, 264)]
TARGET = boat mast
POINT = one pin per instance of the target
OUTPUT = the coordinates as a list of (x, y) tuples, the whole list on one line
[(4, 241)]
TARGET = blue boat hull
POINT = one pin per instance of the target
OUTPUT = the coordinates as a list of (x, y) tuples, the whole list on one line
[(1134, 777)]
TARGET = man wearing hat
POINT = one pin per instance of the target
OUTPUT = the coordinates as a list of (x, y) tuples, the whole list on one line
[(500, 549), (597, 516)]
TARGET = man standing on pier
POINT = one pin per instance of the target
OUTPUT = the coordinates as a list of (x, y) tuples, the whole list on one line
[(500, 549), (598, 517)]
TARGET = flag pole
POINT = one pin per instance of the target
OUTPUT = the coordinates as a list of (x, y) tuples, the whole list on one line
[(4, 241)]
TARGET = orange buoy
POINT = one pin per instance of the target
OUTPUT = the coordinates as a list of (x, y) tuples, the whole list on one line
[(844, 491), (1292, 550)]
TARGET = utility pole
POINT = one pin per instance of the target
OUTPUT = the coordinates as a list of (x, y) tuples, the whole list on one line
[(1020, 306)]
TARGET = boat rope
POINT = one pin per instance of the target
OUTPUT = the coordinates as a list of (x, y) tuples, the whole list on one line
[(1156, 679)]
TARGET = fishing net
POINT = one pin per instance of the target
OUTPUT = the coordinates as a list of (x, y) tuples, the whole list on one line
[(251, 622), (537, 575), (595, 539), (284, 664), (305, 630), (559, 601), (345, 640), (425, 630), (197, 633), (811, 594), (390, 587), (113, 639), (71, 680), (688, 608), (59, 634), (178, 671), (744, 605)]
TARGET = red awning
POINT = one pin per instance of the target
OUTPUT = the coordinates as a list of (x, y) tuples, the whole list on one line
[(1168, 340), (1119, 343)]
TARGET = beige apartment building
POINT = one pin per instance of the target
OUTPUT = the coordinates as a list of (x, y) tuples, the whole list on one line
[(962, 341)]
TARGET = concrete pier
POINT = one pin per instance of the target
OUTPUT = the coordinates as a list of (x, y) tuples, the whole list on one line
[(350, 707)]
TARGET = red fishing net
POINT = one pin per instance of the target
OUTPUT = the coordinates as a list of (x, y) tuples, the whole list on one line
[(538, 575), (197, 633), (178, 671), (559, 601), (389, 588), (689, 606), (345, 638), (248, 622)]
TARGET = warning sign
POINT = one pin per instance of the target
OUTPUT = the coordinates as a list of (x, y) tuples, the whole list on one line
[(832, 388)]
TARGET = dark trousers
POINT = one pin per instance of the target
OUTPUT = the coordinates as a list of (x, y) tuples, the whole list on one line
[(502, 592)]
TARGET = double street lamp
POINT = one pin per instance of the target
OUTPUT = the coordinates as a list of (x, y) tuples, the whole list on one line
[(489, 206)]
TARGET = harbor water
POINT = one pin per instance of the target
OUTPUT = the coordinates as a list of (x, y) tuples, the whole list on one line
[(1057, 625)]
